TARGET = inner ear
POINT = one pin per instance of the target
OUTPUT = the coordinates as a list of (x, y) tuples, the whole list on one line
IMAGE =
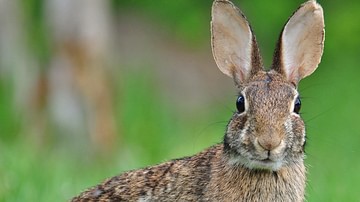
[(300, 45), (233, 43)]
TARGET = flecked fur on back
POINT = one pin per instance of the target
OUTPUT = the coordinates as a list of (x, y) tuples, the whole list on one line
[(206, 176)]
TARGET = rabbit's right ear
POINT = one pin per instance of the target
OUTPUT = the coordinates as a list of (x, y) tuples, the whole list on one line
[(233, 44), (301, 43)]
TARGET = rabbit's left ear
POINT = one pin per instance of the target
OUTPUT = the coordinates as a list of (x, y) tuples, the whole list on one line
[(301, 43)]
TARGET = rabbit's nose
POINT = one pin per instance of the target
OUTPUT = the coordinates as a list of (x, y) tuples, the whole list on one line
[(269, 143)]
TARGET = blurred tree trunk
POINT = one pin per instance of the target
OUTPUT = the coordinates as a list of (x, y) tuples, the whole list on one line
[(79, 71)]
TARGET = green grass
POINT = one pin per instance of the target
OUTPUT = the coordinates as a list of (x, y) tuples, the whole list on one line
[(153, 132)]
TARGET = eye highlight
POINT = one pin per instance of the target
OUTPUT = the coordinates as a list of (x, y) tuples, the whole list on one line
[(240, 104), (297, 105)]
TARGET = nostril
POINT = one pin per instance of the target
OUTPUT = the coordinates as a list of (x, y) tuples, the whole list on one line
[(269, 144)]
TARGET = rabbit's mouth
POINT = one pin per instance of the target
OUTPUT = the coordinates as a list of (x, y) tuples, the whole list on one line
[(267, 160), (268, 163)]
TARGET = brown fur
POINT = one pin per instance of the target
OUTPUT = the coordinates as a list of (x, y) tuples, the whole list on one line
[(209, 175), (261, 157), (206, 176)]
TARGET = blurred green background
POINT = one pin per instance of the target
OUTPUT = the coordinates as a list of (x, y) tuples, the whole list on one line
[(164, 93)]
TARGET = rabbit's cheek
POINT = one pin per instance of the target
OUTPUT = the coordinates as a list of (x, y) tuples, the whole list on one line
[(238, 122), (298, 134), (237, 127)]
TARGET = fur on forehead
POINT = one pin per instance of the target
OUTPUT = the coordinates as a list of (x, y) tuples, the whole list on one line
[(271, 89), (270, 77)]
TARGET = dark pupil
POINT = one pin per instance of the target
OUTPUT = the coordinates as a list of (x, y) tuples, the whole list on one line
[(240, 104), (297, 105)]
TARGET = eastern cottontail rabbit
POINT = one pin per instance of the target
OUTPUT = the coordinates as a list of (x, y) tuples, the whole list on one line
[(261, 157)]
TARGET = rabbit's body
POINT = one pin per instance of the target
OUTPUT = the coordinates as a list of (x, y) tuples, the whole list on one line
[(207, 176), (261, 157)]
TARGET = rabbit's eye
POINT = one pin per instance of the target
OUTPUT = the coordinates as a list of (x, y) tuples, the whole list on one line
[(297, 105), (240, 104)]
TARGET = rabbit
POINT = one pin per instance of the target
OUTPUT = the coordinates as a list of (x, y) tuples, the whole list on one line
[(262, 155)]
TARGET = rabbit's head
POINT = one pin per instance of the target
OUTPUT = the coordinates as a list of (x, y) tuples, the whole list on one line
[(266, 132)]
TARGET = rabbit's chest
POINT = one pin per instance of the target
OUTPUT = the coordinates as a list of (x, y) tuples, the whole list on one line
[(258, 186)]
